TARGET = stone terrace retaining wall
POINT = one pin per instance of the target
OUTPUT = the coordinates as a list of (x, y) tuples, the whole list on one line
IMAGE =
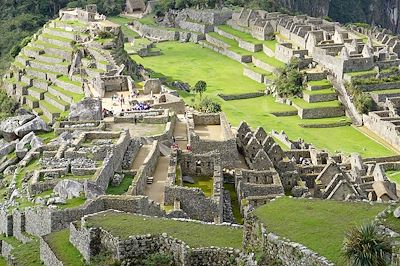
[(314, 98), (156, 32), (380, 86), (228, 53), (231, 97), (276, 248), (320, 112), (42, 221), (196, 27), (47, 256), (264, 66), (251, 47), (253, 75), (91, 241)]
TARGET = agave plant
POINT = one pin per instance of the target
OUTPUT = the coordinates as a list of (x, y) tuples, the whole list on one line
[(366, 246)]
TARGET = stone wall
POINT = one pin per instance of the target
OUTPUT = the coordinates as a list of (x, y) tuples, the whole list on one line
[(228, 53), (383, 127), (231, 97), (157, 33), (42, 221), (321, 112), (276, 248), (264, 66), (314, 98), (253, 75), (112, 163), (139, 182), (6, 223), (132, 250), (47, 256), (196, 27)]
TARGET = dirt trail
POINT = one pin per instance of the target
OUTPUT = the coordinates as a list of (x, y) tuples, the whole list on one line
[(155, 191)]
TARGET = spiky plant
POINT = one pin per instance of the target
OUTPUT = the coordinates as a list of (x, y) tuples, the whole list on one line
[(365, 246)]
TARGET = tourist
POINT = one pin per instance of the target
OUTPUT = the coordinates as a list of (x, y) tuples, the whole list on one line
[(135, 119)]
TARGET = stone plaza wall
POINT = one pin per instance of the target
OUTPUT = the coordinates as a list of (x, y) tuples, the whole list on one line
[(276, 248)]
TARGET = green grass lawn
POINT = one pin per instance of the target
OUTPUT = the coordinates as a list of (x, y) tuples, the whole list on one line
[(195, 235), (205, 183), (25, 254), (122, 188), (394, 176), (323, 82), (385, 91), (122, 21), (234, 202), (320, 225), (63, 249), (305, 105), (190, 62)]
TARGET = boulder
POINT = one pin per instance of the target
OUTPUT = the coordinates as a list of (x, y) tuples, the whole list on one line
[(188, 179), (8, 126), (88, 109), (92, 190), (396, 212), (7, 147), (116, 180), (28, 142), (68, 189), (34, 125), (152, 85)]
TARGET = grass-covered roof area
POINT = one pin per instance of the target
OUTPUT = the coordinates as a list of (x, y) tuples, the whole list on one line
[(194, 234), (320, 225), (63, 249)]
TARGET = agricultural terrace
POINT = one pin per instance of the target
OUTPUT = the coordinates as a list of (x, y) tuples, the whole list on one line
[(194, 234), (190, 62), (320, 225)]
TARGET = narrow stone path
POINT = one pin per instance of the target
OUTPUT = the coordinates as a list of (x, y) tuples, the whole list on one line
[(155, 191), (180, 132)]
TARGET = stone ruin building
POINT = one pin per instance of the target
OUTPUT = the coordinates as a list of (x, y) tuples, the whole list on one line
[(92, 154)]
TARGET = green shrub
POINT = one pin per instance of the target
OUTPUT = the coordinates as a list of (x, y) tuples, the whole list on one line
[(209, 106), (362, 101), (289, 81)]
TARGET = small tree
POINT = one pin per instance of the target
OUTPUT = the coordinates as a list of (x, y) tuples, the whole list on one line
[(290, 80), (366, 246), (200, 88)]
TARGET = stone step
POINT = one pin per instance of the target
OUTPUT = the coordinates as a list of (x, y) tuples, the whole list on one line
[(36, 92), (31, 101), (65, 83), (37, 111), (55, 40), (56, 101), (61, 93), (50, 111)]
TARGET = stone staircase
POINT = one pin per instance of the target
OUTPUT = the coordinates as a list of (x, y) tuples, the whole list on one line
[(39, 76)]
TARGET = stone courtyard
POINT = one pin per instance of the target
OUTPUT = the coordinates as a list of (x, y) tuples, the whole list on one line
[(122, 166)]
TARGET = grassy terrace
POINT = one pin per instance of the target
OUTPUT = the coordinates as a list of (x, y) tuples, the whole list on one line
[(260, 71), (318, 92), (323, 82), (55, 37), (190, 62), (122, 21), (318, 224), (247, 37), (25, 254), (148, 20), (385, 91), (194, 234), (205, 183), (63, 249), (122, 188), (75, 96), (394, 176), (53, 46), (305, 105), (67, 80)]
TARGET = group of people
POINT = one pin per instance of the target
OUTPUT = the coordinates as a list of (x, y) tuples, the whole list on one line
[(141, 106)]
